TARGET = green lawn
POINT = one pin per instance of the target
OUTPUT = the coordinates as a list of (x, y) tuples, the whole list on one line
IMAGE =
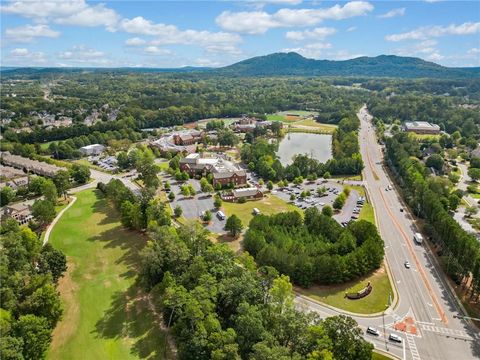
[(90, 165), (298, 112), (316, 124), (106, 315), (378, 356), (268, 205), (334, 295), (275, 117)]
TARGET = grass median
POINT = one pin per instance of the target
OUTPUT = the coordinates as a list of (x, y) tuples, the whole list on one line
[(106, 315), (334, 295)]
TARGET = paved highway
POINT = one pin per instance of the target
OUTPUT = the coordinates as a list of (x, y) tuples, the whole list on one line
[(425, 302)]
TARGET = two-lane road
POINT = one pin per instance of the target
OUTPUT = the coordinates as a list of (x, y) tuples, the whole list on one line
[(423, 295)]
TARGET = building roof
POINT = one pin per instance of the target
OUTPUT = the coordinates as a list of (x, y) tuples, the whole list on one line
[(92, 147), (228, 174), (19, 207), (421, 125), (245, 192)]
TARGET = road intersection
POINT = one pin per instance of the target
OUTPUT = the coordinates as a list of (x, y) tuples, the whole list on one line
[(427, 312)]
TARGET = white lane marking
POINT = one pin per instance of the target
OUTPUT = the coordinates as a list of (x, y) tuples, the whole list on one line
[(413, 347), (449, 332)]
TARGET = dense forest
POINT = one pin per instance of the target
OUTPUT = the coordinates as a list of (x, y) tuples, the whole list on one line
[(430, 199), (315, 249)]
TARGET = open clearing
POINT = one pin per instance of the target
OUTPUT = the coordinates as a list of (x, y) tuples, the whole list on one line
[(334, 295), (268, 205), (106, 314)]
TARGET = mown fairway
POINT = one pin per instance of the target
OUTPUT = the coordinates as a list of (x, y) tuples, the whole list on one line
[(106, 315)]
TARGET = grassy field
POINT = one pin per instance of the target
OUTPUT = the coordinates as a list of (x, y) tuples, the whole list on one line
[(334, 295), (315, 124), (275, 117), (106, 315), (425, 136), (90, 165), (268, 205), (298, 112)]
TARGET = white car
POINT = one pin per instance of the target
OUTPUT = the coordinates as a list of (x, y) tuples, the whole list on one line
[(395, 338), (373, 331)]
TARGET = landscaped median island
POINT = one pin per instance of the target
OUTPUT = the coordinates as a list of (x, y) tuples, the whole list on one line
[(334, 295), (106, 315)]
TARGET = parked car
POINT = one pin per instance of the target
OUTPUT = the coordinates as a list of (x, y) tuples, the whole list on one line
[(407, 264), (373, 331), (395, 338)]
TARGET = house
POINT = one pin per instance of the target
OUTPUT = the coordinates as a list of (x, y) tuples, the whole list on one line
[(247, 193), (20, 212), (26, 164), (421, 127), (94, 149)]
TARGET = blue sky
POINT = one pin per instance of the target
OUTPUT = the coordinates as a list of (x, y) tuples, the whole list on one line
[(216, 33)]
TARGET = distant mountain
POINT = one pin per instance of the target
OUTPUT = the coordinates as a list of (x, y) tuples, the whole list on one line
[(380, 66), (290, 64)]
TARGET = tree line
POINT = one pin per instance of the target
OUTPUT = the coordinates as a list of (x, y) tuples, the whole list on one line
[(314, 250), (30, 306), (458, 250)]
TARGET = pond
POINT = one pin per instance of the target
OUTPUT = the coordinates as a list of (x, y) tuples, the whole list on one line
[(319, 146)]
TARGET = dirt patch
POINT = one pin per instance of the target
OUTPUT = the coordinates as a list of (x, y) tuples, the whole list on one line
[(67, 326)]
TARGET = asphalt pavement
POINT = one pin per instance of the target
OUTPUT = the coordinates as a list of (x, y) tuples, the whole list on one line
[(436, 329)]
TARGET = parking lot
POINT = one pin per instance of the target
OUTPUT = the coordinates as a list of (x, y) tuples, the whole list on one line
[(351, 208), (193, 206)]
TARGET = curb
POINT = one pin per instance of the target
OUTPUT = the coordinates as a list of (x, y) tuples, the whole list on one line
[(387, 354), (340, 311)]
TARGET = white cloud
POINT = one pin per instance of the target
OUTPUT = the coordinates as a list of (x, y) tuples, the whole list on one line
[(427, 32), (24, 57), (258, 22), (92, 16), (28, 33), (342, 55), (223, 49), (393, 13), (136, 41), (317, 33), (352, 28), (311, 51), (66, 12), (155, 50), (473, 51), (207, 62), (424, 49), (170, 34), (84, 55)]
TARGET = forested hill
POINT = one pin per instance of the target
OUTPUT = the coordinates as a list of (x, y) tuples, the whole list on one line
[(379, 66)]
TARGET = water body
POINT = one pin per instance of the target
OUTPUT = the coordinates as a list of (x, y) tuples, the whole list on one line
[(319, 146)]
